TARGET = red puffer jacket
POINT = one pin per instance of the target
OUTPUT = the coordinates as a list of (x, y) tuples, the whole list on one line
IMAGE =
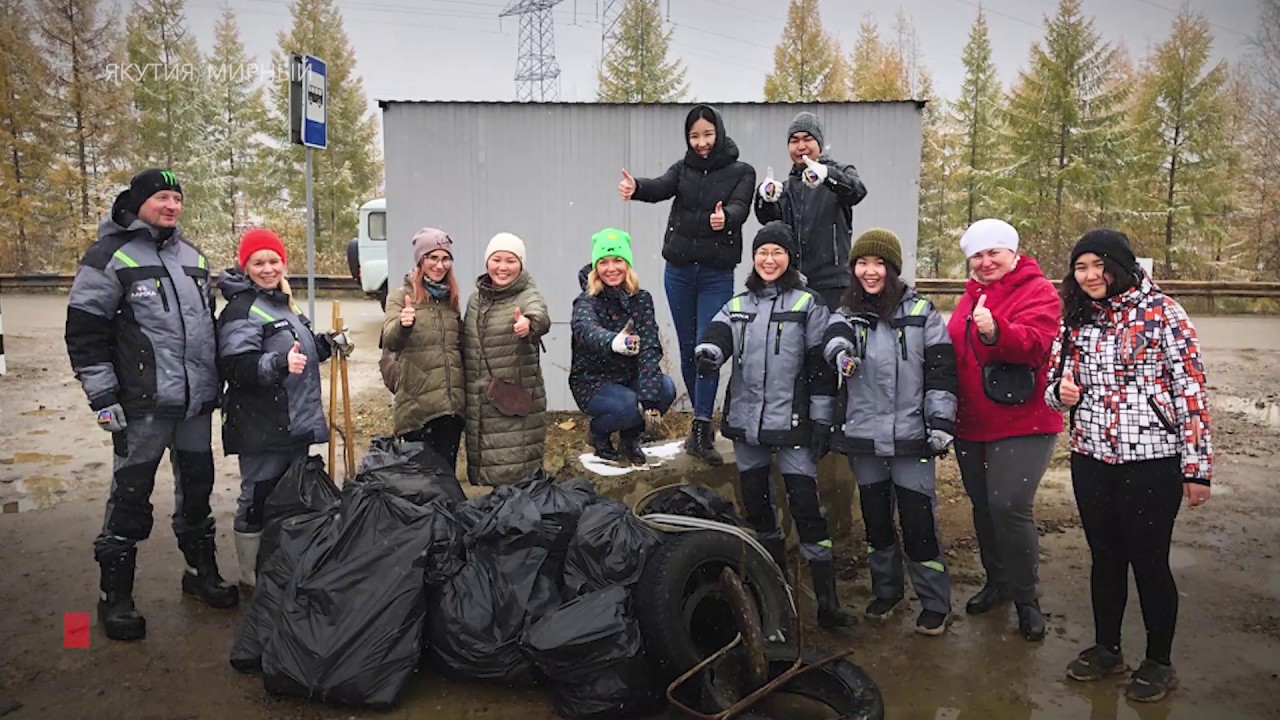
[(1027, 312)]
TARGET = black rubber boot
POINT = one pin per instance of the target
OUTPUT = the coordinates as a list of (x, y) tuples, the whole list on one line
[(116, 613), (704, 441), (201, 579), (988, 598), (1030, 620), (602, 446), (777, 548), (629, 446), (830, 614)]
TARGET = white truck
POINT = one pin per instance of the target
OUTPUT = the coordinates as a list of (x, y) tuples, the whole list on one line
[(367, 253)]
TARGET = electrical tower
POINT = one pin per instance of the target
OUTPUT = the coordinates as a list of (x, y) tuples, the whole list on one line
[(537, 72), (611, 11)]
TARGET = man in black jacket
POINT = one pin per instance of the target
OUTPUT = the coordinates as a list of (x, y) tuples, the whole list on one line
[(141, 340), (817, 202)]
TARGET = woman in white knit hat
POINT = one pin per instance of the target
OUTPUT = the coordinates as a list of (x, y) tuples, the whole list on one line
[(501, 339), (1002, 330)]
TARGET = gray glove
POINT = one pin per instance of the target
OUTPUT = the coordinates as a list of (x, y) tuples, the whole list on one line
[(940, 440), (340, 342), (847, 363), (111, 418)]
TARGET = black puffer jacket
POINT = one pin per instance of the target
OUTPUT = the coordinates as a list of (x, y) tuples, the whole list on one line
[(697, 184), (597, 319)]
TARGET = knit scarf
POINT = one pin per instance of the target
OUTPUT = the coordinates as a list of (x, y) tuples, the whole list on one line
[(439, 291)]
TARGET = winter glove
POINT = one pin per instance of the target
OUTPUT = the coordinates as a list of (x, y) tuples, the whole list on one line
[(814, 173), (770, 190), (653, 425), (705, 358), (626, 342), (111, 418), (340, 342), (940, 440), (847, 363), (820, 444)]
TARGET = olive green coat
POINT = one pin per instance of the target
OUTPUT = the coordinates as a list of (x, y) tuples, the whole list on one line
[(502, 450), (431, 383)]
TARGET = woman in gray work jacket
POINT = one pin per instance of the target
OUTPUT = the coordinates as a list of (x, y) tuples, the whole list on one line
[(894, 351), (780, 402)]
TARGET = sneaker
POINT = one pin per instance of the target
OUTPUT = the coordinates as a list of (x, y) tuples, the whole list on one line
[(1096, 663), (931, 622), (1151, 682), (881, 608)]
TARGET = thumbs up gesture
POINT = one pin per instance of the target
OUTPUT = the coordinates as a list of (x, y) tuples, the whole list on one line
[(814, 174), (297, 361), (521, 327), (407, 313), (982, 318), (717, 217), (627, 187), (1068, 390), (770, 190)]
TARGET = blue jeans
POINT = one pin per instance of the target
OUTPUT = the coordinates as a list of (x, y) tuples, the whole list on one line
[(614, 407), (695, 294)]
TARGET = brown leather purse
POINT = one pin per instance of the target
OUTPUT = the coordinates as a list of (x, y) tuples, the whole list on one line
[(509, 398)]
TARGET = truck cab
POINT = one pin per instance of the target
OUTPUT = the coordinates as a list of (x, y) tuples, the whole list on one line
[(367, 253)]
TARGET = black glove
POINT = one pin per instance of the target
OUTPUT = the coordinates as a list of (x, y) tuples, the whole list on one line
[(705, 359), (820, 444)]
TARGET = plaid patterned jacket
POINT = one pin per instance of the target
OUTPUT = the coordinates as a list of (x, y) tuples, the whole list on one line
[(1142, 383)]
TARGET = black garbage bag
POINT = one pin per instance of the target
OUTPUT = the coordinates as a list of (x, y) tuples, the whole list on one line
[(475, 622), (582, 485), (413, 470), (294, 536), (693, 501), (446, 551), (305, 488), (348, 629), (609, 547), (528, 548), (591, 652), (563, 501)]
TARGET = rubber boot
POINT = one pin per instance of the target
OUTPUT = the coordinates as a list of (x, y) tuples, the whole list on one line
[(704, 443), (602, 446), (201, 579), (629, 446), (777, 547), (116, 613), (830, 614), (247, 552)]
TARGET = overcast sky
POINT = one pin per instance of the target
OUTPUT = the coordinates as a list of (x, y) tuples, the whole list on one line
[(460, 50)]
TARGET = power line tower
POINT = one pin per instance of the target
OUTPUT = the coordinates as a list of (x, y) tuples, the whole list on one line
[(611, 12), (537, 72)]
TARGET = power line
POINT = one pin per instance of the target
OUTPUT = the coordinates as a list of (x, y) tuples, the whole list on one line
[(1178, 12)]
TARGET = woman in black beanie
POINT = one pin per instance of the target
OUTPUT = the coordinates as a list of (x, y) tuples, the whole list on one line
[(1128, 368)]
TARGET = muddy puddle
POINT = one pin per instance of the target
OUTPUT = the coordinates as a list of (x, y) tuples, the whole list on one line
[(1261, 411)]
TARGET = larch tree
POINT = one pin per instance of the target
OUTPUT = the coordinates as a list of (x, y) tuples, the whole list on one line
[(977, 118), (807, 62), (876, 69), (1263, 200), (1066, 134), (345, 174), (27, 139), (1181, 113), (637, 69)]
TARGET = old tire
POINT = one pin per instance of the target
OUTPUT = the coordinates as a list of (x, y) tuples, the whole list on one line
[(353, 258), (683, 616), (839, 689)]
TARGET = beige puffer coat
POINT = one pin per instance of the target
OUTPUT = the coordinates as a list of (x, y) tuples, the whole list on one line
[(431, 383), (502, 450)]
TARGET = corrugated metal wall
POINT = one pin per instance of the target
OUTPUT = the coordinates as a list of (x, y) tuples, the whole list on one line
[(549, 173)]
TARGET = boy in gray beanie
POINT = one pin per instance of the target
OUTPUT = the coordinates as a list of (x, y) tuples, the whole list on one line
[(827, 190)]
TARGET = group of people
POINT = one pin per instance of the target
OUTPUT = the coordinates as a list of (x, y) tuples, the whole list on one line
[(829, 349)]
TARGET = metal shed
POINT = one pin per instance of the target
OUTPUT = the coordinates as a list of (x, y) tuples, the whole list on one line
[(549, 173)]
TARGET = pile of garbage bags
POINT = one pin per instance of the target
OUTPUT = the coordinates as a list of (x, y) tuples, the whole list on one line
[(530, 584)]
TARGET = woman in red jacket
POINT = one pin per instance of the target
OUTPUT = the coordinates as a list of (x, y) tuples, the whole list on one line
[(1003, 329)]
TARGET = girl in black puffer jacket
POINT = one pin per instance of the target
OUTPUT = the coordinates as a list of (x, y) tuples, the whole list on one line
[(703, 243)]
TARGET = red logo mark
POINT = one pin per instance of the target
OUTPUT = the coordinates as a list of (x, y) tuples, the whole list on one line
[(75, 630)]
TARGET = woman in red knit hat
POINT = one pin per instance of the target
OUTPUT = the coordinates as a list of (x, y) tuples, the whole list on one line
[(1002, 329), (270, 359)]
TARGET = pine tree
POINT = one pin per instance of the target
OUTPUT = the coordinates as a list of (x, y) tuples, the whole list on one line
[(348, 172), (1230, 249), (938, 252), (807, 63), (976, 116), (235, 115), (1066, 134), (877, 71), (1182, 110), (87, 100), (637, 69), (26, 141), (167, 87)]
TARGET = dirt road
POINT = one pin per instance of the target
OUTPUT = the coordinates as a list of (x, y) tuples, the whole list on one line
[(54, 466)]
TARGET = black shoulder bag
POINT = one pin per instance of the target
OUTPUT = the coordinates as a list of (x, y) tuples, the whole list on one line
[(1004, 383)]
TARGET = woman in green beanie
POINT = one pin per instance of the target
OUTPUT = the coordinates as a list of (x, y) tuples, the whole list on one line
[(893, 349), (616, 369)]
